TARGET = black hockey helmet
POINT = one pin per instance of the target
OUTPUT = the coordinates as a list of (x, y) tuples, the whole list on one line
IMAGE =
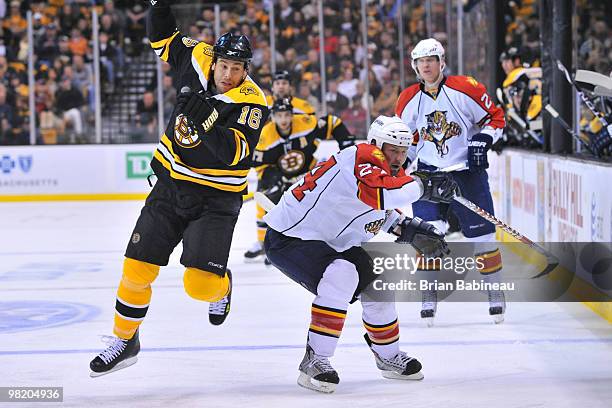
[(510, 54), (234, 47), (282, 74), (282, 105)]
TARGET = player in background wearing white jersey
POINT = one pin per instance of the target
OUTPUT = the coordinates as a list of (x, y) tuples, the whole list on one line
[(315, 235), (454, 121)]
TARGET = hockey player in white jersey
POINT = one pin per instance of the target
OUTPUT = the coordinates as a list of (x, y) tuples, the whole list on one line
[(315, 235), (454, 121)]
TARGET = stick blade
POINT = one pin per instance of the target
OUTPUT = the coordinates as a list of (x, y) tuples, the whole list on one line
[(552, 264)]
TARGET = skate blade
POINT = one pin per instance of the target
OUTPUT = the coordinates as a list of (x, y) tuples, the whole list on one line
[(429, 321), (392, 375), (124, 364), (256, 260), (310, 383), (498, 319)]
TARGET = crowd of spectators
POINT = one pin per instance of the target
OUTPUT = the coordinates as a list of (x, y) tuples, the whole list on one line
[(63, 70), (63, 55)]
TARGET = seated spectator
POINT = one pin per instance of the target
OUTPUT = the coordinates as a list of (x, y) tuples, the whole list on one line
[(348, 85), (6, 118), (83, 77), (77, 43), (305, 93), (21, 118), (336, 102), (111, 58), (47, 47), (136, 27), (15, 22), (146, 119), (354, 118), (68, 102), (384, 104)]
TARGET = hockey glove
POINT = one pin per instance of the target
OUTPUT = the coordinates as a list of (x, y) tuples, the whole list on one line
[(477, 151), (601, 141), (438, 187), (197, 109), (424, 237)]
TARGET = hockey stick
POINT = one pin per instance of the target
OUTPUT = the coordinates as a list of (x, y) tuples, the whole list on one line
[(551, 260), (584, 98), (516, 118), (553, 112), (263, 201)]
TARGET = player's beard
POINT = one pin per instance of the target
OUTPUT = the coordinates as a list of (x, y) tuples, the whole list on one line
[(395, 170)]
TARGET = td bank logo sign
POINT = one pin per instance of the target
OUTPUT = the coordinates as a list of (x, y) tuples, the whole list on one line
[(137, 164)]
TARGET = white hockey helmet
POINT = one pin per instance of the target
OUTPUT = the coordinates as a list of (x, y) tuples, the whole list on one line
[(427, 48), (389, 129)]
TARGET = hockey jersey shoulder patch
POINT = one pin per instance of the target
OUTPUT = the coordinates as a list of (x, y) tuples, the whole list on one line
[(190, 42), (248, 92), (367, 153)]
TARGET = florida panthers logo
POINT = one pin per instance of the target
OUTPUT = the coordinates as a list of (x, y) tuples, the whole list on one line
[(438, 131), (374, 226)]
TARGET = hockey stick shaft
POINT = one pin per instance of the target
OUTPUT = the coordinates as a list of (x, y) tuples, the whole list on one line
[(553, 112), (551, 260), (263, 201), (584, 98), (516, 118)]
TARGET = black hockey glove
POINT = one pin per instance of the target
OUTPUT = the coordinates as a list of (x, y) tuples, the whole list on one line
[(438, 187), (197, 109), (424, 237), (477, 151)]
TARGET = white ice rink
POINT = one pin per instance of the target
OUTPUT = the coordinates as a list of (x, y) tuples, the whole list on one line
[(60, 266)]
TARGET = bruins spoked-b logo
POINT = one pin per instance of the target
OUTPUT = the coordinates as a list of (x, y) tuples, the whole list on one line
[(439, 130), (185, 134), (292, 162)]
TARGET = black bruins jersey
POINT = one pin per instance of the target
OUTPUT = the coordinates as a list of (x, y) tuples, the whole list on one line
[(294, 155), (218, 160)]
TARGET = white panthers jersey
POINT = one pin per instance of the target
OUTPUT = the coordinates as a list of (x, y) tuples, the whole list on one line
[(345, 200), (444, 122)]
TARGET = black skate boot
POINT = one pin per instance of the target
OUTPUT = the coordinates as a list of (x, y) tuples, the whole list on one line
[(119, 354), (429, 306), (316, 373), (218, 311), (255, 253), (497, 305), (399, 367)]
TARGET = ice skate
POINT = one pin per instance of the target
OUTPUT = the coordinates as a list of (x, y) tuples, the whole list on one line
[(255, 253), (429, 306), (399, 367), (497, 305), (316, 373), (119, 354), (218, 311)]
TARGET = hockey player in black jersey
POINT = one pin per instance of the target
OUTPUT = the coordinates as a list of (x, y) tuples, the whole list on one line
[(286, 151), (201, 164)]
